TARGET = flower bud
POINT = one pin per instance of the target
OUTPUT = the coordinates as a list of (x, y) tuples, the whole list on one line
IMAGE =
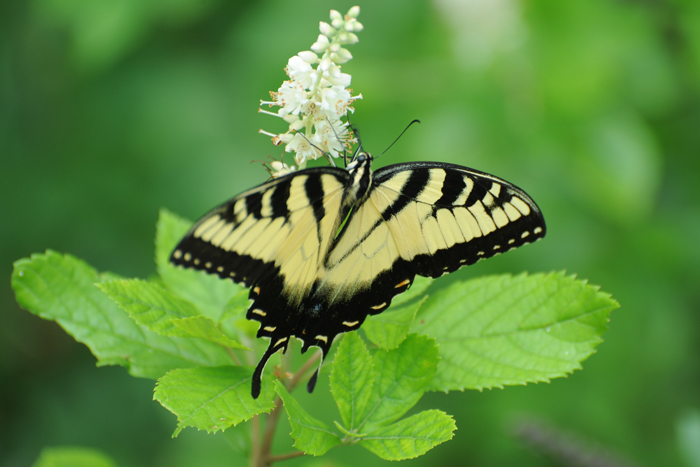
[(325, 64), (326, 29), (353, 26), (321, 45), (335, 14), (308, 56), (342, 56)]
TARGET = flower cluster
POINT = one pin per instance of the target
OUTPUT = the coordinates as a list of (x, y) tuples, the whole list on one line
[(314, 99)]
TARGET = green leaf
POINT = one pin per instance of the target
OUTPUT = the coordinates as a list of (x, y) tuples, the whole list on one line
[(501, 330), (237, 305), (204, 327), (66, 456), (352, 379), (372, 392), (310, 435), (411, 437), (62, 288), (149, 305), (233, 319), (387, 330), (209, 293), (401, 376), (212, 399)]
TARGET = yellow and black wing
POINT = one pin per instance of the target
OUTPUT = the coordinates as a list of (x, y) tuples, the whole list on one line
[(272, 239), (312, 281), (281, 228), (419, 218)]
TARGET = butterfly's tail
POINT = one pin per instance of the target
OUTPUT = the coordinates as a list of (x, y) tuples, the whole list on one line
[(257, 374), (312, 381)]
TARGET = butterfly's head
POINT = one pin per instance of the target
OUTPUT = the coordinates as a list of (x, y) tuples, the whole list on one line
[(360, 169), (360, 159)]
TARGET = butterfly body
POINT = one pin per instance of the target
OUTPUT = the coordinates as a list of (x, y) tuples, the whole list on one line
[(323, 248)]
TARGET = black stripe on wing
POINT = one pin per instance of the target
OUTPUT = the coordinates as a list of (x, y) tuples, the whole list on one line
[(454, 193), (202, 249), (485, 193)]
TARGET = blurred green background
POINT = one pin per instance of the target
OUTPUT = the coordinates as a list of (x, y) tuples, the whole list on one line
[(112, 109)]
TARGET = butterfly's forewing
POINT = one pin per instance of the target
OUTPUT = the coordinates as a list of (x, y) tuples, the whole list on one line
[(444, 216)]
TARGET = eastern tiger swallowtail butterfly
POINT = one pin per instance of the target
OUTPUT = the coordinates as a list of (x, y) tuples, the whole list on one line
[(323, 248)]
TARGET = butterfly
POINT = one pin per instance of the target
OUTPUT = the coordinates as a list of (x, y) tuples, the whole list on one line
[(323, 248)]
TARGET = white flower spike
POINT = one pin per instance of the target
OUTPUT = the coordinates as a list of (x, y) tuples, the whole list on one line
[(314, 100)]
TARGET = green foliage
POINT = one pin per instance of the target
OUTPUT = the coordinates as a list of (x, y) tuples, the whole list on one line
[(310, 435), (160, 311), (212, 399), (372, 392), (73, 457), (149, 305), (352, 380), (411, 437), (503, 330), (184, 329), (62, 288), (205, 327), (400, 378)]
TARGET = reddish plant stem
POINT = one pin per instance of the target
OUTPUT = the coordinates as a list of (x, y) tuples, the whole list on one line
[(269, 434), (284, 457), (255, 458)]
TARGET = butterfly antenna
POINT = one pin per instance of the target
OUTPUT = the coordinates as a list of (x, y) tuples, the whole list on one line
[(399, 137)]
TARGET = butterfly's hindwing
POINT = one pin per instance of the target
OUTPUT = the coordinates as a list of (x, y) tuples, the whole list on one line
[(271, 237)]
